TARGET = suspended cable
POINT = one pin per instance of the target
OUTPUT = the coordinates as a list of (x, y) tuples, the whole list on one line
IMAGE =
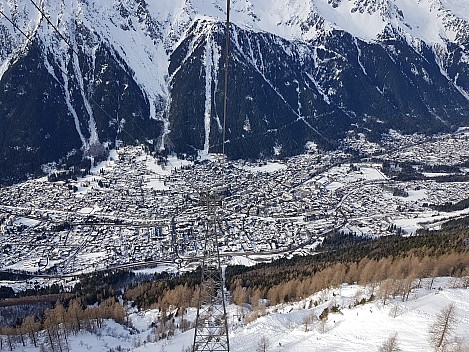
[(15, 25), (54, 27), (227, 44), (77, 54), (66, 74), (126, 113), (211, 323)]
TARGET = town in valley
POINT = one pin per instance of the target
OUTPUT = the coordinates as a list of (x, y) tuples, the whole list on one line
[(137, 210)]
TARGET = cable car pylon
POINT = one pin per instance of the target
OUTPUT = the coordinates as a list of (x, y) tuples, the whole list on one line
[(211, 324)]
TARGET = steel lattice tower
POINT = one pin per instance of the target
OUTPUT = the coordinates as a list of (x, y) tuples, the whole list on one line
[(211, 327), (211, 324)]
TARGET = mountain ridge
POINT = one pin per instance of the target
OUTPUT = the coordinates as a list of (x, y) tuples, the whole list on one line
[(150, 71)]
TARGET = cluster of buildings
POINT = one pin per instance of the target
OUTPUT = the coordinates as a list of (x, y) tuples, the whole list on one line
[(135, 209)]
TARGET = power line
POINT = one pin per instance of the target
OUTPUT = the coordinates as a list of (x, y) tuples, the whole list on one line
[(211, 323), (55, 28), (126, 113), (61, 69), (77, 54), (15, 25), (227, 44)]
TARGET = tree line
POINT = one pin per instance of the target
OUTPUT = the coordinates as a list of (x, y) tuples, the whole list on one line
[(52, 331), (390, 260), (389, 267), (392, 263)]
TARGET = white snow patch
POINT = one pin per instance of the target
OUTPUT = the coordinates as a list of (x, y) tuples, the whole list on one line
[(458, 7), (242, 260), (333, 186), (26, 222), (158, 269), (342, 17), (86, 211), (426, 220), (268, 167)]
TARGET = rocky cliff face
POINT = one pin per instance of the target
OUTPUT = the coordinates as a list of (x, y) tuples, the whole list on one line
[(304, 70)]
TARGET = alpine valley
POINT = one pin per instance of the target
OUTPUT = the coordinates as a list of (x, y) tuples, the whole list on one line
[(152, 71)]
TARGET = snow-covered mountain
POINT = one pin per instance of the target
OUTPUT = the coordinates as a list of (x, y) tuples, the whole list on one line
[(300, 70)]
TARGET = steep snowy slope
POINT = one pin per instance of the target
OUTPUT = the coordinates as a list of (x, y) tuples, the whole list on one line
[(300, 70)]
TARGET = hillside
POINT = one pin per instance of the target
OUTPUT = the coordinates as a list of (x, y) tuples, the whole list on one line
[(362, 327), (153, 71), (349, 299)]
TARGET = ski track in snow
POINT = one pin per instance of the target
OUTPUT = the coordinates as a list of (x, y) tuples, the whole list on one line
[(318, 88), (298, 91), (4, 67)]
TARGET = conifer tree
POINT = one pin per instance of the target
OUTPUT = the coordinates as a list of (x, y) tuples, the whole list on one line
[(263, 344), (31, 327), (390, 345), (442, 329)]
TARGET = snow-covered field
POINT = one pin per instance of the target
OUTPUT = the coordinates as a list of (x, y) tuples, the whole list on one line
[(268, 167), (362, 327)]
